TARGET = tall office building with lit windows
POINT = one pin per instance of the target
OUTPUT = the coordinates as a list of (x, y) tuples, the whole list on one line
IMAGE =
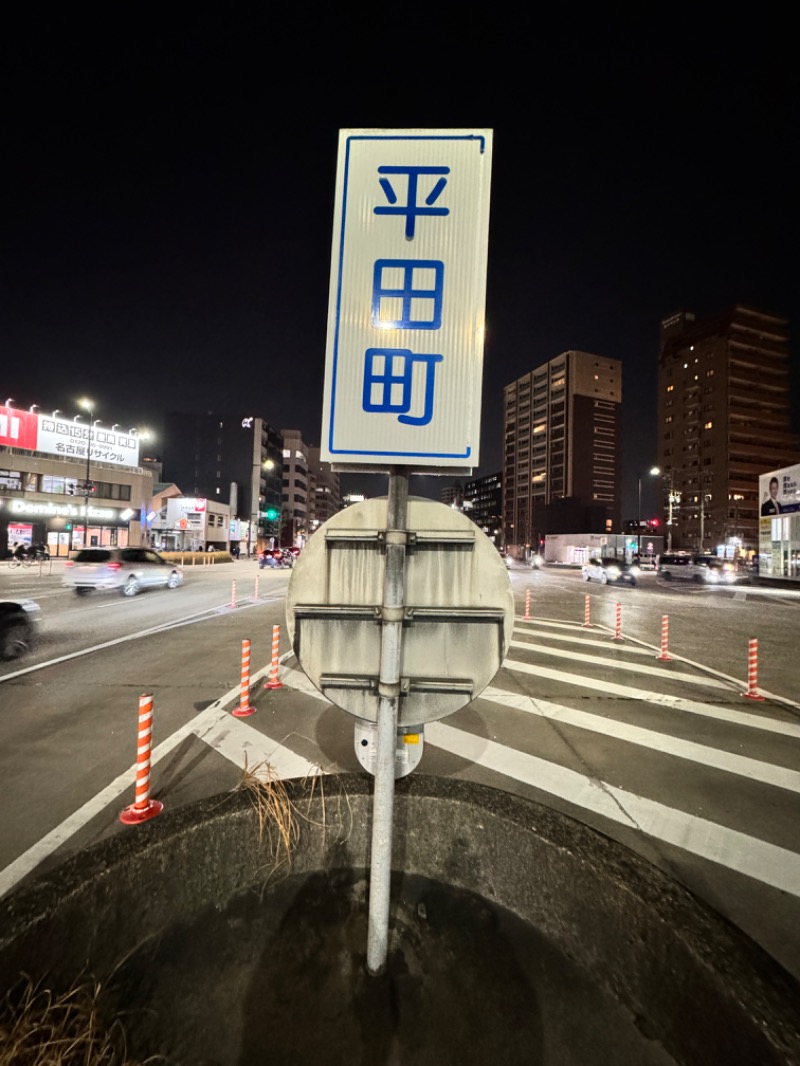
[(561, 467), (723, 419)]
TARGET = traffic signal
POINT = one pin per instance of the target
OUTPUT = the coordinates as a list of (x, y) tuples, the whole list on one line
[(68, 526), (271, 514)]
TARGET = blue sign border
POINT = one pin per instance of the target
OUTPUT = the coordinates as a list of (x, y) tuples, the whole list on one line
[(362, 451)]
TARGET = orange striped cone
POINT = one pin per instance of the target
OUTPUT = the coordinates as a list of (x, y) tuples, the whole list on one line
[(244, 708), (276, 640), (618, 625), (587, 614), (143, 807), (665, 656), (752, 672)]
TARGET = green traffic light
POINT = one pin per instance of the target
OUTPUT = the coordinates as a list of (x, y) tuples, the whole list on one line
[(271, 514)]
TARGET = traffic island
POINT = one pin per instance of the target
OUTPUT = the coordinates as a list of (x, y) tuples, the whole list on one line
[(233, 932)]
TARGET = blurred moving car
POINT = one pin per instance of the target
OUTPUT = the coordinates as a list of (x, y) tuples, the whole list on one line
[(19, 627), (702, 569), (128, 570), (610, 572), (278, 557)]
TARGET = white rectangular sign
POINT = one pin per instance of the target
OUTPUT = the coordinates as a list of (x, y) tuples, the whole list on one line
[(404, 358), (65, 437)]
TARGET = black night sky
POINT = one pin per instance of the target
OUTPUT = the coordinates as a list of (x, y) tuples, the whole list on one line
[(169, 184)]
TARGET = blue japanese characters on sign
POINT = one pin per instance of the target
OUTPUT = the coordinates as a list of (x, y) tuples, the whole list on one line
[(405, 338), (388, 381)]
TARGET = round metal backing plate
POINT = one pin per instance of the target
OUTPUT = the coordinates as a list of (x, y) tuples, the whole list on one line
[(459, 610)]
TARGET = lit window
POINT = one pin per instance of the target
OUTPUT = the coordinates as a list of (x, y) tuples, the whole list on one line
[(708, 425), (670, 388)]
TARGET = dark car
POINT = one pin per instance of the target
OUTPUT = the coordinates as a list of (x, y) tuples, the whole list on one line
[(19, 627), (610, 572)]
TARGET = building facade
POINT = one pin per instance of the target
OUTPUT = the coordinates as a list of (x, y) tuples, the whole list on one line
[(67, 483), (723, 419), (483, 503), (562, 442), (232, 459), (189, 523), (324, 490), (296, 489)]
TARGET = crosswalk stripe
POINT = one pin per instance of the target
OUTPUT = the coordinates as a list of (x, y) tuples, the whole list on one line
[(767, 863), (599, 640), (677, 703), (755, 769), (613, 664)]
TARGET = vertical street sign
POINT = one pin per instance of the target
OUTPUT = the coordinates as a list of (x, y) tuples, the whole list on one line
[(406, 326)]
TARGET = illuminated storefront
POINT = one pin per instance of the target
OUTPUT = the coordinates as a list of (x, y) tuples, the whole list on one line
[(65, 483), (189, 523), (779, 524)]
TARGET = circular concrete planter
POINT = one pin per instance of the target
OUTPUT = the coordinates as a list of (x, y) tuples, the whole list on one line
[(517, 935)]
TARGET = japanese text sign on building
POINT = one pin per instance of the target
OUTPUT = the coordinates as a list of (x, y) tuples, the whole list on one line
[(406, 328)]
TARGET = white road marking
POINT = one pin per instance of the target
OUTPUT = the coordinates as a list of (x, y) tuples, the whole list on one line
[(210, 726), (767, 863), (243, 745), (587, 641), (715, 758), (677, 703), (201, 616), (634, 668)]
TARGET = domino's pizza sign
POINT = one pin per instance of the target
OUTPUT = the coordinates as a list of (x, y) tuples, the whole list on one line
[(406, 313)]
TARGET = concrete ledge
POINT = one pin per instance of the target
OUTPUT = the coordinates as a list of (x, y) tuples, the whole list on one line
[(689, 986)]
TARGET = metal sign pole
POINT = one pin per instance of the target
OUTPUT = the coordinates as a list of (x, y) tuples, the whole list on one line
[(386, 739)]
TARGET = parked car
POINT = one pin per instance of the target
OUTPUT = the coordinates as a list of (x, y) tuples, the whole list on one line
[(610, 572), (19, 627), (128, 570)]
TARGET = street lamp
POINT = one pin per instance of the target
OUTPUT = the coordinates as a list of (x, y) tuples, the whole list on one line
[(260, 465), (654, 472), (87, 405)]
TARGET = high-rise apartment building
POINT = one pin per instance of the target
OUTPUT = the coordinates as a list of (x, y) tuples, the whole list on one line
[(232, 459), (723, 419), (562, 449), (324, 491), (296, 489), (483, 503)]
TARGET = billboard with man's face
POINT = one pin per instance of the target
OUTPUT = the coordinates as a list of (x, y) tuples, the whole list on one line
[(64, 437), (779, 491)]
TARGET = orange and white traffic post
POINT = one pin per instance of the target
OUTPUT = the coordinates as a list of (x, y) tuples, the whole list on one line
[(665, 656), (274, 682), (233, 593), (587, 613), (244, 708), (143, 807), (527, 614), (618, 624), (752, 672)]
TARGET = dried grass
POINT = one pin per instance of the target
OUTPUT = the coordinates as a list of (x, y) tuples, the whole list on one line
[(39, 1027), (279, 819)]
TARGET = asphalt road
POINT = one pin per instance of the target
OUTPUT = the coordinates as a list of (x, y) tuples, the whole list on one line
[(667, 757)]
